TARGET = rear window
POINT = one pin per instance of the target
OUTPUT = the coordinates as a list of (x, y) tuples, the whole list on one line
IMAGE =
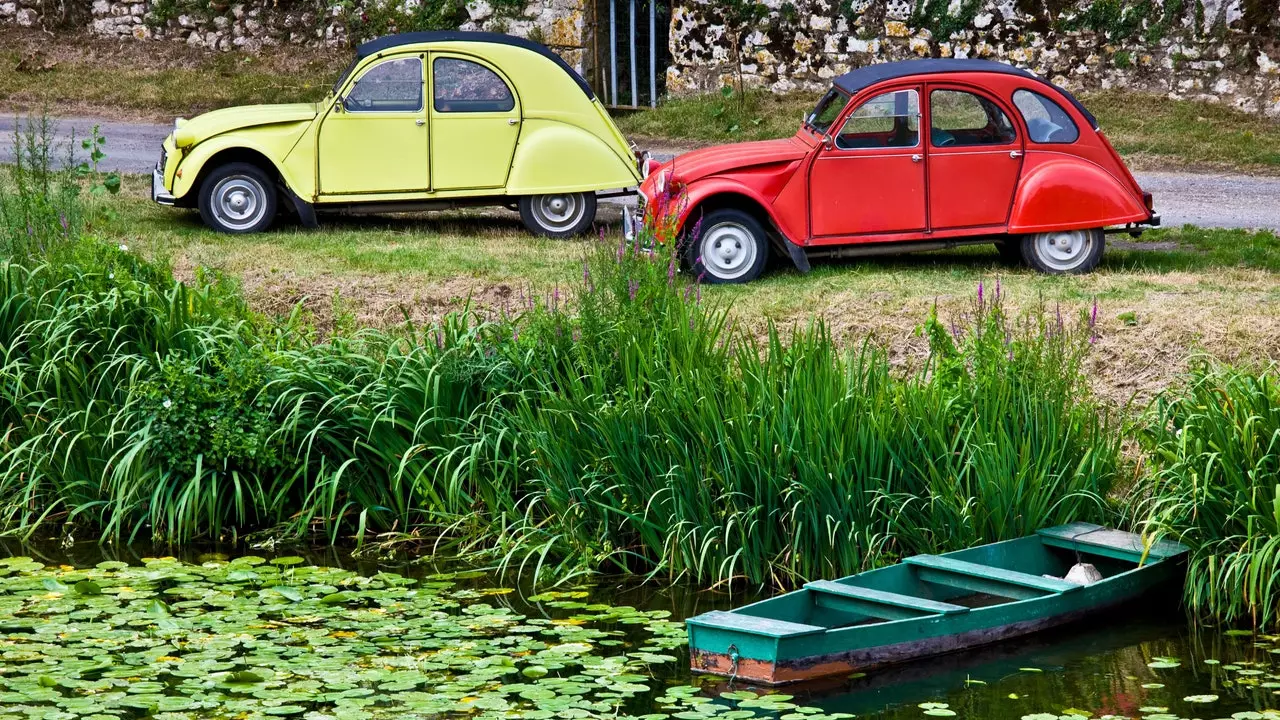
[(1046, 121)]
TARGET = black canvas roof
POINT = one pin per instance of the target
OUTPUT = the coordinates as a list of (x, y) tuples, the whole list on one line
[(389, 42), (864, 77)]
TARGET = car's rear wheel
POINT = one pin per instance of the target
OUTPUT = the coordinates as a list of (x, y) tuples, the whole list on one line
[(558, 216), (238, 198), (731, 247), (1064, 251)]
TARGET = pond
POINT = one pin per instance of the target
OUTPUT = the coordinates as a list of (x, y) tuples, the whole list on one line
[(208, 635)]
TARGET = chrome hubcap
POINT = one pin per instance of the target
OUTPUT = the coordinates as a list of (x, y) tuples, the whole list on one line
[(1064, 250), (559, 212), (728, 251), (239, 201)]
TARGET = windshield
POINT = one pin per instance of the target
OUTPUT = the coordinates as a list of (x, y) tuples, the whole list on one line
[(345, 73), (827, 110)]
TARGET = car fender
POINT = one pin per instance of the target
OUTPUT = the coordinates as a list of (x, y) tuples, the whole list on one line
[(555, 157), (698, 193), (274, 142), (1064, 192)]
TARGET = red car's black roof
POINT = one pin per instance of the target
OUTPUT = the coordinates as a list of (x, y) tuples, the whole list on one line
[(864, 77)]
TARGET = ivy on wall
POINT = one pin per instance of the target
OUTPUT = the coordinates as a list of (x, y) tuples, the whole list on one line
[(364, 19), (1147, 21)]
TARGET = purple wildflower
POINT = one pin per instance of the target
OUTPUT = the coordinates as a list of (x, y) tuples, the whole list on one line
[(997, 288), (62, 218), (633, 286), (577, 335), (979, 292), (30, 231), (1093, 316), (439, 339), (515, 334), (671, 271)]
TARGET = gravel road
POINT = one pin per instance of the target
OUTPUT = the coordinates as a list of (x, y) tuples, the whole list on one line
[(1204, 199)]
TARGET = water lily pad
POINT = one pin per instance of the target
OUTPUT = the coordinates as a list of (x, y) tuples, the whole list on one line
[(1200, 698)]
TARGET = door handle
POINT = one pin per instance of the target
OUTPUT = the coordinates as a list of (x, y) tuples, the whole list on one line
[(917, 158), (1015, 154), (512, 121), (419, 122)]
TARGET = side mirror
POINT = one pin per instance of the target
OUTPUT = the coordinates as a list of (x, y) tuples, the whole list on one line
[(826, 142), (340, 105)]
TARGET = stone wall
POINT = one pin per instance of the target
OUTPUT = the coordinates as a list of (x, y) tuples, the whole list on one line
[(1216, 50), (248, 25)]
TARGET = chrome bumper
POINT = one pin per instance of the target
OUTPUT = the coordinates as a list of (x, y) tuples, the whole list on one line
[(159, 193)]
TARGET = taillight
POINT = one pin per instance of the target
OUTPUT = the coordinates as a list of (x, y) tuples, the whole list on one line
[(1147, 202)]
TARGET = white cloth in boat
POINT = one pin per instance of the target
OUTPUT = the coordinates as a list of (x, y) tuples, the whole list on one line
[(1080, 574)]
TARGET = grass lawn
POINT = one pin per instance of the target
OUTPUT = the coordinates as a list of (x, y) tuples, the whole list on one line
[(1177, 292)]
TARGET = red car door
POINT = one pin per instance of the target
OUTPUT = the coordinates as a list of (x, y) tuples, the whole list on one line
[(974, 158), (869, 177)]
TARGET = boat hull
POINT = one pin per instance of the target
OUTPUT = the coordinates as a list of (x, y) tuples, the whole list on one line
[(813, 667), (754, 646)]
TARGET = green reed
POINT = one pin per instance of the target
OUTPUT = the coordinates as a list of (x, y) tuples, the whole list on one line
[(1215, 486)]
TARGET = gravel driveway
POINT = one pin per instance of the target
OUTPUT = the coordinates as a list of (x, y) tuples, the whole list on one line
[(1204, 199)]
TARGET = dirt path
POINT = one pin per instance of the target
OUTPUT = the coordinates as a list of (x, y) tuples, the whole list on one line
[(1204, 199)]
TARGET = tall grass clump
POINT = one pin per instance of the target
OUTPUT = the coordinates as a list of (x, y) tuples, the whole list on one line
[(1215, 486), (726, 456)]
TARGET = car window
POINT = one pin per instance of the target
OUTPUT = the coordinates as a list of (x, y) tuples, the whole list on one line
[(1046, 121), (958, 118), (390, 86), (464, 86), (888, 120), (827, 110)]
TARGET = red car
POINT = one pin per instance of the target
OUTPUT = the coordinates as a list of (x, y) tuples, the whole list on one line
[(1007, 158)]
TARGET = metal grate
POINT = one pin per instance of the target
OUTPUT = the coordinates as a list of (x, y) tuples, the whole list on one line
[(630, 42)]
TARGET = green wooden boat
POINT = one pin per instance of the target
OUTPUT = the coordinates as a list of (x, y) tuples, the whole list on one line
[(930, 604)]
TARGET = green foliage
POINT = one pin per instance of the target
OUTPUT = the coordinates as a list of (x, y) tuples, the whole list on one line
[(218, 412), (1215, 486), (365, 19), (1146, 21), (937, 18)]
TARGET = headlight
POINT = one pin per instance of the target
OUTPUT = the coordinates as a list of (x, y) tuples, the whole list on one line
[(183, 137)]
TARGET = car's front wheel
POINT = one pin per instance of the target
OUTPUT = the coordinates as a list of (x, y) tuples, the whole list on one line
[(558, 216), (1064, 251), (731, 247), (238, 198)]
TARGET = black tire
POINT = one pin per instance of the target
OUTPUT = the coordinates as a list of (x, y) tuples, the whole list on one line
[(558, 216), (1010, 251), (1065, 252), (238, 198), (741, 244)]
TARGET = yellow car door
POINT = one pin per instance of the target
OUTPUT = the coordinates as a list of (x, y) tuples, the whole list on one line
[(475, 123), (375, 138)]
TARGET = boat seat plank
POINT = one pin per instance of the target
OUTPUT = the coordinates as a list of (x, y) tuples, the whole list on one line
[(991, 574), (879, 603), (753, 625), (1099, 540)]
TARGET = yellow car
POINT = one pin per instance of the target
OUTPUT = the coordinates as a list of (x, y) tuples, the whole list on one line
[(419, 121)]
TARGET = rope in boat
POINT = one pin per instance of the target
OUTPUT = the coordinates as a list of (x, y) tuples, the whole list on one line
[(733, 663)]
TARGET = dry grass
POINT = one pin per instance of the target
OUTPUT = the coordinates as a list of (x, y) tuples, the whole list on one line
[(131, 80)]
